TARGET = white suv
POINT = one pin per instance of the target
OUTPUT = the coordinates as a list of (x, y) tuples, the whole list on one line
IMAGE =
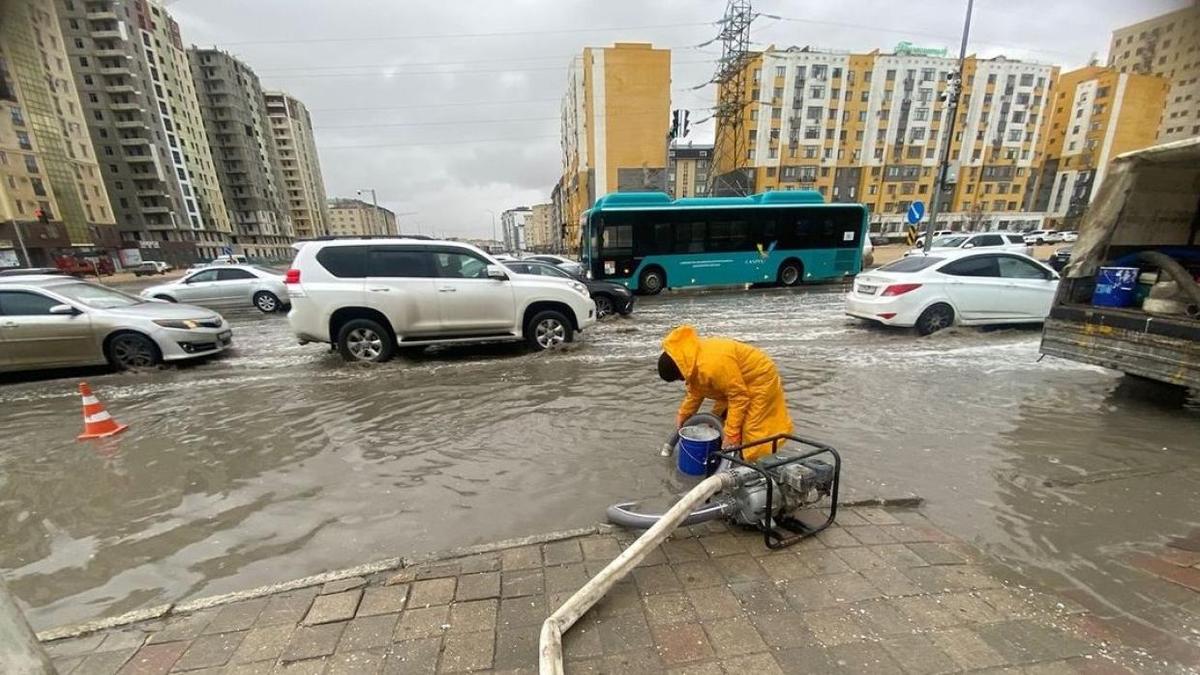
[(1012, 242), (368, 296)]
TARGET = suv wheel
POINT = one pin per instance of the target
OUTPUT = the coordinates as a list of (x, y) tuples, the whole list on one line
[(365, 341), (548, 329)]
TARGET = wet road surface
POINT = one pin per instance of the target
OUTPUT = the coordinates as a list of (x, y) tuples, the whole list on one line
[(278, 460)]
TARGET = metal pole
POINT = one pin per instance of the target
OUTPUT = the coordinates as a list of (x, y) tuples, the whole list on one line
[(493, 226), (667, 169), (952, 92), (20, 651), (21, 243)]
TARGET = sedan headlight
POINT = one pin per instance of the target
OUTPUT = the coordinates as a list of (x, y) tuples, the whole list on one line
[(186, 324), (580, 288)]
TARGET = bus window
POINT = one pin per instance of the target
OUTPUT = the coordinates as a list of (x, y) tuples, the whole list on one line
[(689, 237), (727, 235), (653, 236), (616, 240)]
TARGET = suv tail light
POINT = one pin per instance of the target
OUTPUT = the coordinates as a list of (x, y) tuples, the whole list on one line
[(899, 289), (292, 276)]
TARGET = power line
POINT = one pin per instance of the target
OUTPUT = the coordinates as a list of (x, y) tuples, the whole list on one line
[(454, 104), (450, 36), (437, 124), (560, 57), (434, 143), (472, 71)]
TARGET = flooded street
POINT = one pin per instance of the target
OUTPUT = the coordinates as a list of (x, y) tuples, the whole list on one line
[(278, 460)]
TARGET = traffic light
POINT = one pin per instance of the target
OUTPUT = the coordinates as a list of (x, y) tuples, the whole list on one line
[(679, 124)]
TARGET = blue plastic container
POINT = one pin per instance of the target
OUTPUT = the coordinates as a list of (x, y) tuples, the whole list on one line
[(696, 443), (1115, 287)]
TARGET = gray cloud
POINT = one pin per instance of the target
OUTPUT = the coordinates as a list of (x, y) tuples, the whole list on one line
[(390, 115)]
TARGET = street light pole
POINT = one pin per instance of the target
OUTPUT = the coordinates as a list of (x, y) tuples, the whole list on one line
[(375, 207), (952, 91), (493, 224)]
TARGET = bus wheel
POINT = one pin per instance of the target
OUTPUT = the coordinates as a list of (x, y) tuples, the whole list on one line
[(790, 273), (652, 281)]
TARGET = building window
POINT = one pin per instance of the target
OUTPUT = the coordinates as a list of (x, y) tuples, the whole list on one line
[(780, 71), (819, 71)]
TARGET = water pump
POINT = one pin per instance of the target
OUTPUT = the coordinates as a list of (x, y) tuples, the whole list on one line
[(777, 495)]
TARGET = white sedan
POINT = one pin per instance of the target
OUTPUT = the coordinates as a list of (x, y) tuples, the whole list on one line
[(940, 290)]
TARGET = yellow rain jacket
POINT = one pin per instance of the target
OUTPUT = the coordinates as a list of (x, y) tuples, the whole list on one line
[(741, 380)]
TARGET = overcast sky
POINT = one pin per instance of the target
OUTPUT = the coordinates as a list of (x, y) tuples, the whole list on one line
[(450, 108)]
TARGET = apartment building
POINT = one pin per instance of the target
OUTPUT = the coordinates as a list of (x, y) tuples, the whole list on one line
[(1167, 46), (868, 128), (243, 146), (137, 93), (303, 185), (688, 171), (615, 117), (1096, 114), (541, 231), (50, 183), (514, 224), (356, 218)]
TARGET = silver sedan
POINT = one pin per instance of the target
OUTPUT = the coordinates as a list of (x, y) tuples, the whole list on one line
[(56, 322), (226, 286)]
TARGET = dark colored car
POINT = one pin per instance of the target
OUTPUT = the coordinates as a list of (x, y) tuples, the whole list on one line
[(609, 297), (1060, 258)]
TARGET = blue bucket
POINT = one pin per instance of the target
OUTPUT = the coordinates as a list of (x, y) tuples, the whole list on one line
[(1115, 287), (696, 443)]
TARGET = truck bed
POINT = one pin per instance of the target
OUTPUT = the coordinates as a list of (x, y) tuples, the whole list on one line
[(1166, 349)]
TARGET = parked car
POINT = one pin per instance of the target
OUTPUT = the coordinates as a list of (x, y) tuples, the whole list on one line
[(230, 260), (936, 233), (1060, 259), (940, 290), (1053, 237), (369, 296), (1002, 241), (1039, 237), (609, 297), (51, 321), (572, 267), (226, 286), (151, 268), (1070, 235), (26, 271)]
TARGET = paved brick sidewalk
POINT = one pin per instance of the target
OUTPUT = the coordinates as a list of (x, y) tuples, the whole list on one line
[(883, 592)]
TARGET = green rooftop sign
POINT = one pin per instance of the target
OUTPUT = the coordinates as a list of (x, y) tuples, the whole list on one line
[(909, 49)]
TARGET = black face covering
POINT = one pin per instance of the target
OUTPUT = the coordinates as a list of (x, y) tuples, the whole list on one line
[(667, 369)]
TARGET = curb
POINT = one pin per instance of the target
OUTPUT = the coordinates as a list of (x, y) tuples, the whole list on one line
[(385, 565)]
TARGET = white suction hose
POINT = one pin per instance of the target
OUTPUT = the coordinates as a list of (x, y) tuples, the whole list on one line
[(577, 605)]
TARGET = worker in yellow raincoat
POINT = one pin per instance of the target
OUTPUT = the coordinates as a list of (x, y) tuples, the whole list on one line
[(741, 380)]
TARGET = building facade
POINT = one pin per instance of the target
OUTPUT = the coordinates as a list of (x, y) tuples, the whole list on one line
[(688, 171), (540, 231), (356, 218), (140, 103), (514, 223), (1096, 114), (869, 128), (303, 185), (50, 183), (243, 145), (1167, 46), (615, 118)]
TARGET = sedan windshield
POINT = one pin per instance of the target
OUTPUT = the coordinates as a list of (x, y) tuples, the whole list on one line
[(92, 295), (949, 242), (911, 264)]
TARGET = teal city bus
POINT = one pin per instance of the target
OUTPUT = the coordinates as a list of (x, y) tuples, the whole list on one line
[(648, 242)]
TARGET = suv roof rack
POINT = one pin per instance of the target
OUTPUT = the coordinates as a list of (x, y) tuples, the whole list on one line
[(337, 237)]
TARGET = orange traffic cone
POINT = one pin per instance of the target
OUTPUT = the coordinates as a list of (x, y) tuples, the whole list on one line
[(97, 423)]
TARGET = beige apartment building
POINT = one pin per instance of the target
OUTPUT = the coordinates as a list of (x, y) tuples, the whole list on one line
[(615, 117), (688, 171), (356, 218), (869, 127), (136, 88), (50, 183), (1167, 46), (303, 185), (541, 235)]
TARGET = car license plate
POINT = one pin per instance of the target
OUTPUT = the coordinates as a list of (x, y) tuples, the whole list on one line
[(225, 336), (867, 289)]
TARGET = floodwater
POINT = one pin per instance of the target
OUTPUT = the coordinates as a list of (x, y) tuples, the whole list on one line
[(278, 460)]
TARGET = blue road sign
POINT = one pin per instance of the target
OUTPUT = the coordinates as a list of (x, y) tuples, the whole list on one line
[(916, 211), (228, 250)]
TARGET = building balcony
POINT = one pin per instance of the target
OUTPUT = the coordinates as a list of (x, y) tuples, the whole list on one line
[(155, 209), (149, 193), (134, 141), (106, 34), (115, 70), (106, 15), (111, 52), (140, 159), (128, 106), (130, 124), (122, 89)]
